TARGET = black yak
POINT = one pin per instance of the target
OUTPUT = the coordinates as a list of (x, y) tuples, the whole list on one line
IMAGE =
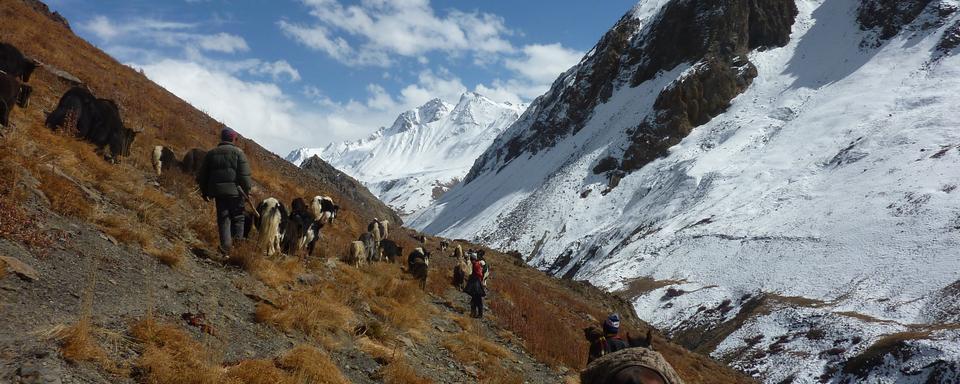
[(193, 161), (15, 64), (12, 92), (97, 121)]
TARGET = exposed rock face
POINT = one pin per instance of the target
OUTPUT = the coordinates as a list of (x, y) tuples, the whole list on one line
[(715, 35), (726, 31), (889, 16), (351, 188), (42, 8)]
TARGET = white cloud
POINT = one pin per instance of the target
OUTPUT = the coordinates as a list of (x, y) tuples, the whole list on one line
[(257, 110), (163, 33), (276, 70), (544, 63), (223, 42), (407, 28)]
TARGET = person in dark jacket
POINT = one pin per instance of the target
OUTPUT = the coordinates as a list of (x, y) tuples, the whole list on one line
[(475, 287), (225, 177), (607, 342)]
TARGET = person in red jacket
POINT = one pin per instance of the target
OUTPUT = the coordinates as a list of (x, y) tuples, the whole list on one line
[(475, 287)]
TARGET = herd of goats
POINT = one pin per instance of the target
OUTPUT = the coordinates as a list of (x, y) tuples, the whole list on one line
[(98, 121)]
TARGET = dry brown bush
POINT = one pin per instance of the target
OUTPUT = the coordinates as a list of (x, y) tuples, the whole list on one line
[(65, 197), (400, 372), (311, 365), (171, 356), (171, 257), (315, 312)]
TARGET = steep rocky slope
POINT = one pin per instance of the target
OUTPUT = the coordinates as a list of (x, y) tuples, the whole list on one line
[(773, 184), (107, 273), (424, 153), (349, 187)]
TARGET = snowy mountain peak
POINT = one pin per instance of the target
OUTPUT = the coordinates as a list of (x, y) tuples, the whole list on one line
[(424, 153), (433, 110)]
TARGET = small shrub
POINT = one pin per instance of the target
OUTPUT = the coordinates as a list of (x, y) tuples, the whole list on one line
[(311, 365), (171, 356), (400, 372)]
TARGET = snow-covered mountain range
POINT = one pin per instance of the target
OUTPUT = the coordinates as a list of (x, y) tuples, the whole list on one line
[(424, 153), (772, 182)]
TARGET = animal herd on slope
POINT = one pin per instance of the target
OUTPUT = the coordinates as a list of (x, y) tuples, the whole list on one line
[(298, 231)]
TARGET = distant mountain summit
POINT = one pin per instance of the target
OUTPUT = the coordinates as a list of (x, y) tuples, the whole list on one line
[(424, 152)]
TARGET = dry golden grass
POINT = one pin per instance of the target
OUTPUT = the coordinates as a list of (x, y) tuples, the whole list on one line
[(171, 356), (469, 347), (124, 231), (400, 372), (171, 257), (381, 353), (316, 312), (311, 365), (65, 197)]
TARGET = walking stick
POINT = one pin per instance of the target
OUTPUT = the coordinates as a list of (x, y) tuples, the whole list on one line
[(249, 202)]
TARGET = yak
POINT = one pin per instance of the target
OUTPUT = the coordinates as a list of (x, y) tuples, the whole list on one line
[(418, 265), (271, 225), (391, 251), (163, 159), (15, 64), (193, 161), (12, 92), (303, 228), (97, 120)]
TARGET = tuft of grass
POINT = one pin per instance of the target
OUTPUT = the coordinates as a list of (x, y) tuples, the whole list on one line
[(400, 372), (315, 312), (171, 356), (311, 365), (65, 196), (256, 372), (170, 257)]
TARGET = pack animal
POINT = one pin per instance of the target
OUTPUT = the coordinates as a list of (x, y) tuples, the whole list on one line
[(192, 161), (390, 250), (370, 245), (303, 228), (638, 364), (418, 264), (460, 274), (270, 225), (324, 208), (14, 63), (12, 93), (163, 159), (444, 244), (356, 254), (374, 229), (96, 120)]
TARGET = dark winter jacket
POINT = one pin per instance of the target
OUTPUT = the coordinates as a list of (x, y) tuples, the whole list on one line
[(475, 282), (224, 169)]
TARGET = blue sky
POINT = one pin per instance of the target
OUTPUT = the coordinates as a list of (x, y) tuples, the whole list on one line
[(304, 73)]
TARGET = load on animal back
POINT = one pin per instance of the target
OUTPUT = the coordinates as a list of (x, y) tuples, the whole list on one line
[(630, 366)]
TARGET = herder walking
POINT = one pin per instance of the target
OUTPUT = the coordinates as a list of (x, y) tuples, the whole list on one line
[(475, 287), (225, 177)]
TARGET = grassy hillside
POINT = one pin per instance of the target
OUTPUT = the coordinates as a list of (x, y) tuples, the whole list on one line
[(119, 293)]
